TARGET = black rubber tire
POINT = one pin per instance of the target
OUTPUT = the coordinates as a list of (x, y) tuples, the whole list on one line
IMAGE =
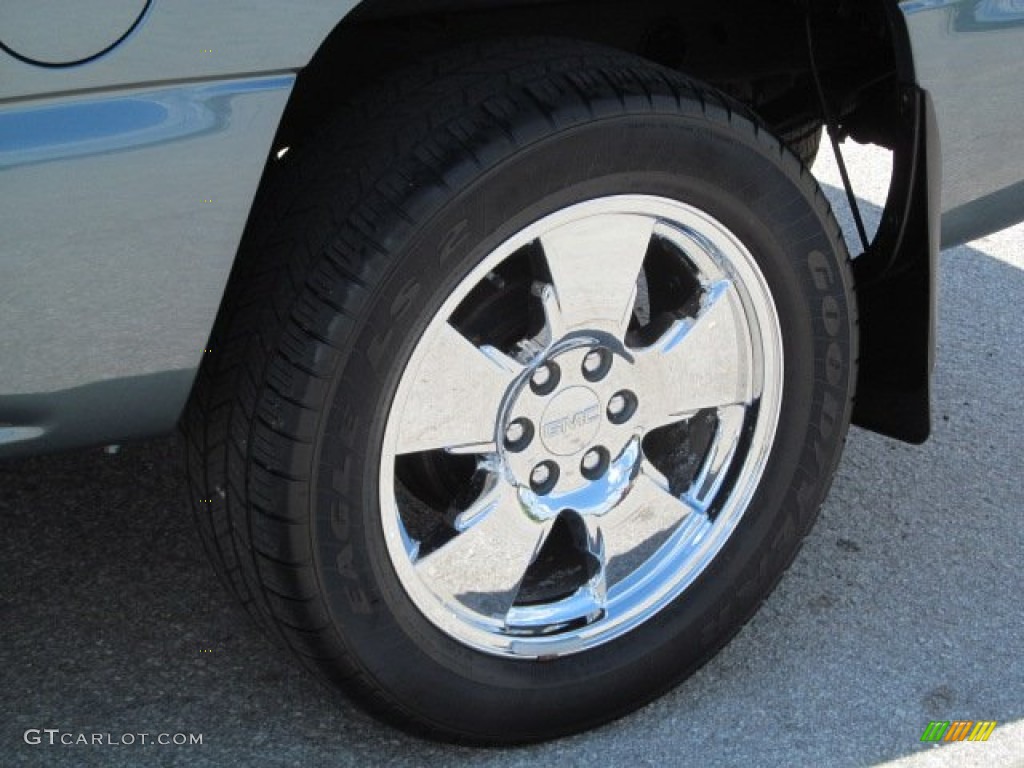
[(354, 242), (804, 140)]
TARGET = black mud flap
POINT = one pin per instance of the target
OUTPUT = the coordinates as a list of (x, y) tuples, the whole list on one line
[(896, 289)]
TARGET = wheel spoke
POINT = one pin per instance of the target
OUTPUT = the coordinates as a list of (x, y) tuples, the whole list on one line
[(482, 567), (630, 532), (702, 362), (455, 395), (594, 265)]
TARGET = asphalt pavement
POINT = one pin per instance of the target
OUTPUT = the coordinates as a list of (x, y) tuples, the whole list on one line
[(904, 606)]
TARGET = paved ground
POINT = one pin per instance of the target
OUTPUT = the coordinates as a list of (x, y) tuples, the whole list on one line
[(903, 607)]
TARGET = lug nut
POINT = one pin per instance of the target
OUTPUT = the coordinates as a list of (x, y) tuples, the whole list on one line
[(594, 463), (544, 477), (518, 435), (621, 407), (545, 379), (596, 365)]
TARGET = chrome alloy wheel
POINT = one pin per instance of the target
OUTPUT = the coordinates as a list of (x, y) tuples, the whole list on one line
[(581, 427)]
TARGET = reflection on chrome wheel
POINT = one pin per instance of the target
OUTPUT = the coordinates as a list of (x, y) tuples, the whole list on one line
[(600, 449)]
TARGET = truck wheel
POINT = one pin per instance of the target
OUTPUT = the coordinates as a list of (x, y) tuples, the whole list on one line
[(534, 370)]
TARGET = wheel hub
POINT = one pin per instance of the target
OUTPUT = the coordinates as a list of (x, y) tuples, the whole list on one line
[(567, 433)]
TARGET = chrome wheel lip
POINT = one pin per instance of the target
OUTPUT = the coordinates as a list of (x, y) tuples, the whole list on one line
[(677, 563)]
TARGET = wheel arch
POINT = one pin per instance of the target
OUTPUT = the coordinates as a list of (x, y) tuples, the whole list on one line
[(757, 52)]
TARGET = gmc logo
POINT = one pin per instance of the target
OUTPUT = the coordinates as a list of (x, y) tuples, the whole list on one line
[(569, 424)]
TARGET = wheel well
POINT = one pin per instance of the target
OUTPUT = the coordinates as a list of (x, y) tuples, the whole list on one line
[(755, 50), (759, 52)]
